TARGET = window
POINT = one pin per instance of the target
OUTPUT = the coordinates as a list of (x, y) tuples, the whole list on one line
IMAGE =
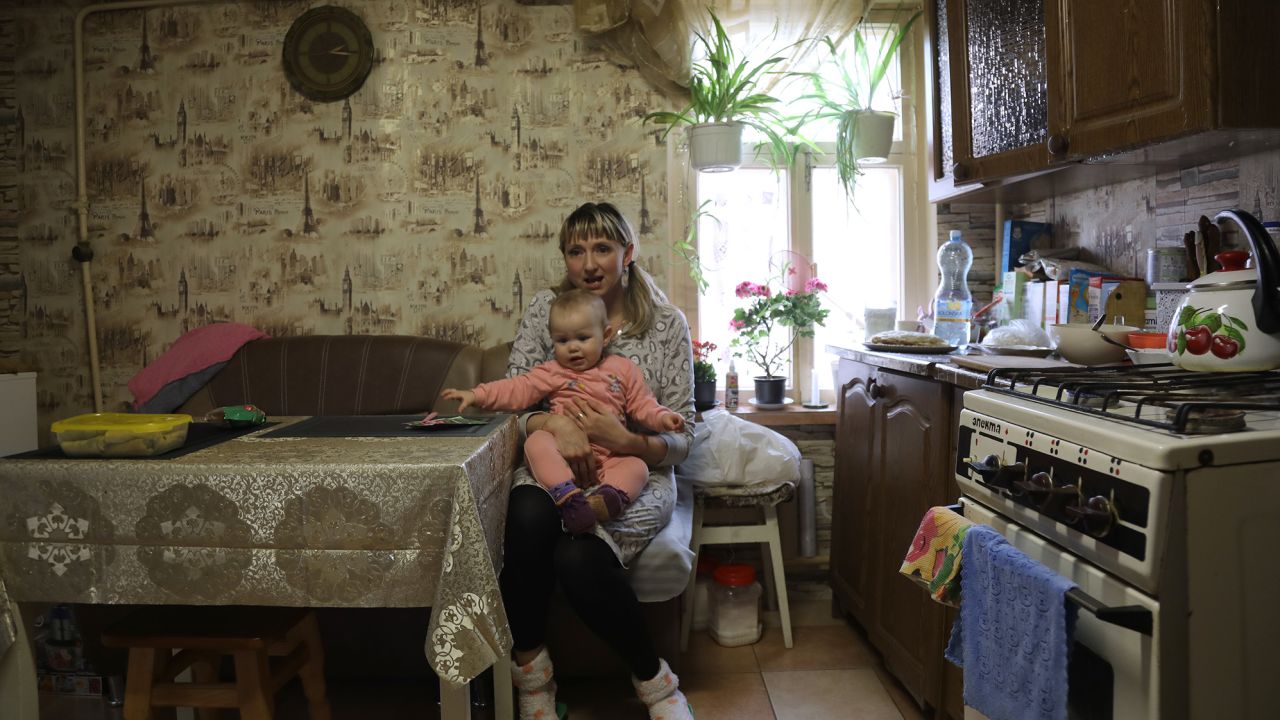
[(764, 219)]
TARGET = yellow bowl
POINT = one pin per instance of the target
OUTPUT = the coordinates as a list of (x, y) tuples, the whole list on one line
[(1081, 344)]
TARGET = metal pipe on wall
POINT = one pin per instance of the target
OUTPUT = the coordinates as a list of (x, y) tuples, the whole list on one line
[(806, 501), (83, 251)]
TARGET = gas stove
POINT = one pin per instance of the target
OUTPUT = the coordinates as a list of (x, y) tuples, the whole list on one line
[(1154, 489)]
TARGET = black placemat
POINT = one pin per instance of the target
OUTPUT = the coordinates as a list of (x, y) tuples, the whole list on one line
[(199, 437), (324, 426)]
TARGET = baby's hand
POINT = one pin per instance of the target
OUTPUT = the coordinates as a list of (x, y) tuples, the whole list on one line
[(466, 398), (672, 422)]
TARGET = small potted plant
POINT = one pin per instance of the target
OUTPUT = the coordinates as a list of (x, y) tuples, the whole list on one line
[(766, 310), (704, 376), (724, 98), (863, 133)]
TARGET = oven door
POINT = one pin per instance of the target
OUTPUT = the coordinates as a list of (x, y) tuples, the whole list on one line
[(1113, 672)]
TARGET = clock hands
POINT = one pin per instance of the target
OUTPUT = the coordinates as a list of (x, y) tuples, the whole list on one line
[(335, 51)]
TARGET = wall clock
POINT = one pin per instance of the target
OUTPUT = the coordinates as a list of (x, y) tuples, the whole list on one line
[(328, 53)]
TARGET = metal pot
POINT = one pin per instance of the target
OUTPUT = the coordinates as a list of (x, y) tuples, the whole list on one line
[(1229, 320)]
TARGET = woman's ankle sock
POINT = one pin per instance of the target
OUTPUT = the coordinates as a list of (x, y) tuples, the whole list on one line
[(537, 689), (608, 502), (575, 511), (662, 695)]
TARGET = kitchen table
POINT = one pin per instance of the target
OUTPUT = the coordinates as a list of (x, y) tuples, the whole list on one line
[(403, 521)]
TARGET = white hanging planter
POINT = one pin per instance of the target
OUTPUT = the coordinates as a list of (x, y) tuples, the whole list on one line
[(873, 138), (715, 147)]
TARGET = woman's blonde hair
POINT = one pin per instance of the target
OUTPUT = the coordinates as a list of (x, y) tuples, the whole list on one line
[(640, 295)]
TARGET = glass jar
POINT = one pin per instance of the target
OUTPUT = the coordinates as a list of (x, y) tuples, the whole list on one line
[(702, 591), (735, 606)]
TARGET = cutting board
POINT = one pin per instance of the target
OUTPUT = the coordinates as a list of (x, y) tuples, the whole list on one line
[(987, 363)]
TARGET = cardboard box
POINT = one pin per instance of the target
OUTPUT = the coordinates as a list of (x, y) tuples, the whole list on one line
[(1021, 236), (1052, 291), (69, 683), (1118, 298), (1014, 288), (1033, 304), (1078, 298)]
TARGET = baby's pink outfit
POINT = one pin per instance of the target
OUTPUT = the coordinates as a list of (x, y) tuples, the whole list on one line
[(615, 381)]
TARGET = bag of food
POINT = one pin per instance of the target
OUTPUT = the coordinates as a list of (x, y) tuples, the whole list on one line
[(731, 451)]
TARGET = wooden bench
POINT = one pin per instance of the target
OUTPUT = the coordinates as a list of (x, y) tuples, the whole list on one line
[(165, 641)]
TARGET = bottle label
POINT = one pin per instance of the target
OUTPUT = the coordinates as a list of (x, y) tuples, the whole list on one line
[(952, 310)]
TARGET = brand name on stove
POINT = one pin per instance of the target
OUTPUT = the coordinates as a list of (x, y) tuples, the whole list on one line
[(988, 425)]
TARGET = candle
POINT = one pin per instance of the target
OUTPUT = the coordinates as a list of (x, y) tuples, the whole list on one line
[(814, 394)]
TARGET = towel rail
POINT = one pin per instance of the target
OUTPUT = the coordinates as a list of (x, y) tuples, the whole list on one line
[(1131, 617)]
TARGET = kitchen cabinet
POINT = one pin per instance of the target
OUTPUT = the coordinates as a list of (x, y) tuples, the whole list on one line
[(1066, 94), (894, 449)]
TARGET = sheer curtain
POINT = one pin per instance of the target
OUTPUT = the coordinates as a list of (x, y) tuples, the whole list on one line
[(657, 35)]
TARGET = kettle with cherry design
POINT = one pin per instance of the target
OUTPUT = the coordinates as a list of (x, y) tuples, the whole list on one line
[(1229, 320)]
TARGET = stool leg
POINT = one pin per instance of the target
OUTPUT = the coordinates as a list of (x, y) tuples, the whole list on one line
[(205, 672), (695, 544), (779, 572), (253, 685), (766, 560), (145, 665), (312, 673)]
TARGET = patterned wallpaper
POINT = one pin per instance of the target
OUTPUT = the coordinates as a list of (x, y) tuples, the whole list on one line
[(426, 204)]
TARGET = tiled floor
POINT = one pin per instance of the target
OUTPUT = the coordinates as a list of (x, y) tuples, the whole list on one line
[(830, 673)]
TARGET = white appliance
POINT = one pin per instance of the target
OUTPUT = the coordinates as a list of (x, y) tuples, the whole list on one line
[(1156, 490)]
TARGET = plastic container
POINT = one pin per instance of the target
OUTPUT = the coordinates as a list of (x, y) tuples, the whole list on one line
[(731, 388), (735, 606), (953, 304), (702, 588), (115, 435)]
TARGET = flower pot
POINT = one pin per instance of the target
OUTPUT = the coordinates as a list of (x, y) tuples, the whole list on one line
[(704, 394), (770, 390), (873, 135), (715, 147)]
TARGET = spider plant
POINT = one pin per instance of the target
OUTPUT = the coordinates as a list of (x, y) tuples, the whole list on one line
[(848, 92), (723, 88)]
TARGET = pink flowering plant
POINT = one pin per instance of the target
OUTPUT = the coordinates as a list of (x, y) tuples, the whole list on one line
[(766, 310)]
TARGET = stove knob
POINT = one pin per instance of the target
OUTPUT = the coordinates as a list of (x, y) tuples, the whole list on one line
[(1097, 515), (1037, 486)]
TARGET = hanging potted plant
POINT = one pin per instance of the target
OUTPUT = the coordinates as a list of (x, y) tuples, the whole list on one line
[(704, 376), (766, 310), (723, 99), (863, 133)]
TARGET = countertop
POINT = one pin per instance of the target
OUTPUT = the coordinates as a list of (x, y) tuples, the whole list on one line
[(937, 367)]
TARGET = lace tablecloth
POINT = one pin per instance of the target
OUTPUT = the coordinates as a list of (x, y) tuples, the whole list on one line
[(309, 522)]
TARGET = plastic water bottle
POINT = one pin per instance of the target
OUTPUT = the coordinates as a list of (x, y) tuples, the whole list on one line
[(953, 305)]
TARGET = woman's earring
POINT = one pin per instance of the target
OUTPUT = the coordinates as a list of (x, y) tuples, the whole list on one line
[(626, 274)]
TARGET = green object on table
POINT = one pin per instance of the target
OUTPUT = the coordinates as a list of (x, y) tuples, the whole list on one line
[(237, 416), (562, 711)]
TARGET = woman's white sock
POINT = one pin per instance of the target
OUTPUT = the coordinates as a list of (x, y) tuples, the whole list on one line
[(537, 689), (662, 695)]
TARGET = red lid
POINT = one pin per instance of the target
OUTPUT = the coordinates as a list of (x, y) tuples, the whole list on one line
[(735, 575), (1232, 260), (707, 564)]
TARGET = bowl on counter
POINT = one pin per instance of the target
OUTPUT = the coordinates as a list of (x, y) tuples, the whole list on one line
[(1146, 340), (1081, 344)]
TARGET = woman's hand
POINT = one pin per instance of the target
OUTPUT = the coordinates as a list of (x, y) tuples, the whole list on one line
[(575, 448), (601, 425)]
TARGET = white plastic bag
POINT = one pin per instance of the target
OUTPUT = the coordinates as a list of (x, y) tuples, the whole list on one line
[(728, 450)]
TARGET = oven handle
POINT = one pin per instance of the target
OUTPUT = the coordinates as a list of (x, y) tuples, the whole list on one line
[(1131, 617)]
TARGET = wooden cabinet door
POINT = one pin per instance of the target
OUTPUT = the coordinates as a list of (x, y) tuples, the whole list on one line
[(1127, 73), (914, 444), (999, 93), (851, 512)]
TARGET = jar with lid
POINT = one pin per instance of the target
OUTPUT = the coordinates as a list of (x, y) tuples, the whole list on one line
[(702, 588), (735, 606)]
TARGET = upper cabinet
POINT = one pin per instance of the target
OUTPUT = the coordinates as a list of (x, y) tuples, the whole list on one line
[(1029, 98)]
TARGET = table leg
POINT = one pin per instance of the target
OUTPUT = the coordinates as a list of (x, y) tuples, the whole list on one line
[(503, 702), (18, 676), (455, 702)]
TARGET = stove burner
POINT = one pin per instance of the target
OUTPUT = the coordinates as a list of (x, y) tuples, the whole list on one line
[(1208, 420)]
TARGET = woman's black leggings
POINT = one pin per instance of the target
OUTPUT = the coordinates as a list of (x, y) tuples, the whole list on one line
[(538, 553)]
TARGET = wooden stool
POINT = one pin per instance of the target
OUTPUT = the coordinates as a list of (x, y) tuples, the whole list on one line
[(765, 496), (202, 636)]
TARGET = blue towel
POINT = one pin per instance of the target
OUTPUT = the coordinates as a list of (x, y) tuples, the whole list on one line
[(1013, 631)]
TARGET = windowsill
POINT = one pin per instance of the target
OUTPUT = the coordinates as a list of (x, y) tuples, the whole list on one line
[(793, 414)]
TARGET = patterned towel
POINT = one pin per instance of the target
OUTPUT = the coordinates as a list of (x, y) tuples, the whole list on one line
[(935, 552), (1013, 632)]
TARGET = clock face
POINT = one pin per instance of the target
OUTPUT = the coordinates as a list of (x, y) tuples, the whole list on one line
[(328, 53)]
